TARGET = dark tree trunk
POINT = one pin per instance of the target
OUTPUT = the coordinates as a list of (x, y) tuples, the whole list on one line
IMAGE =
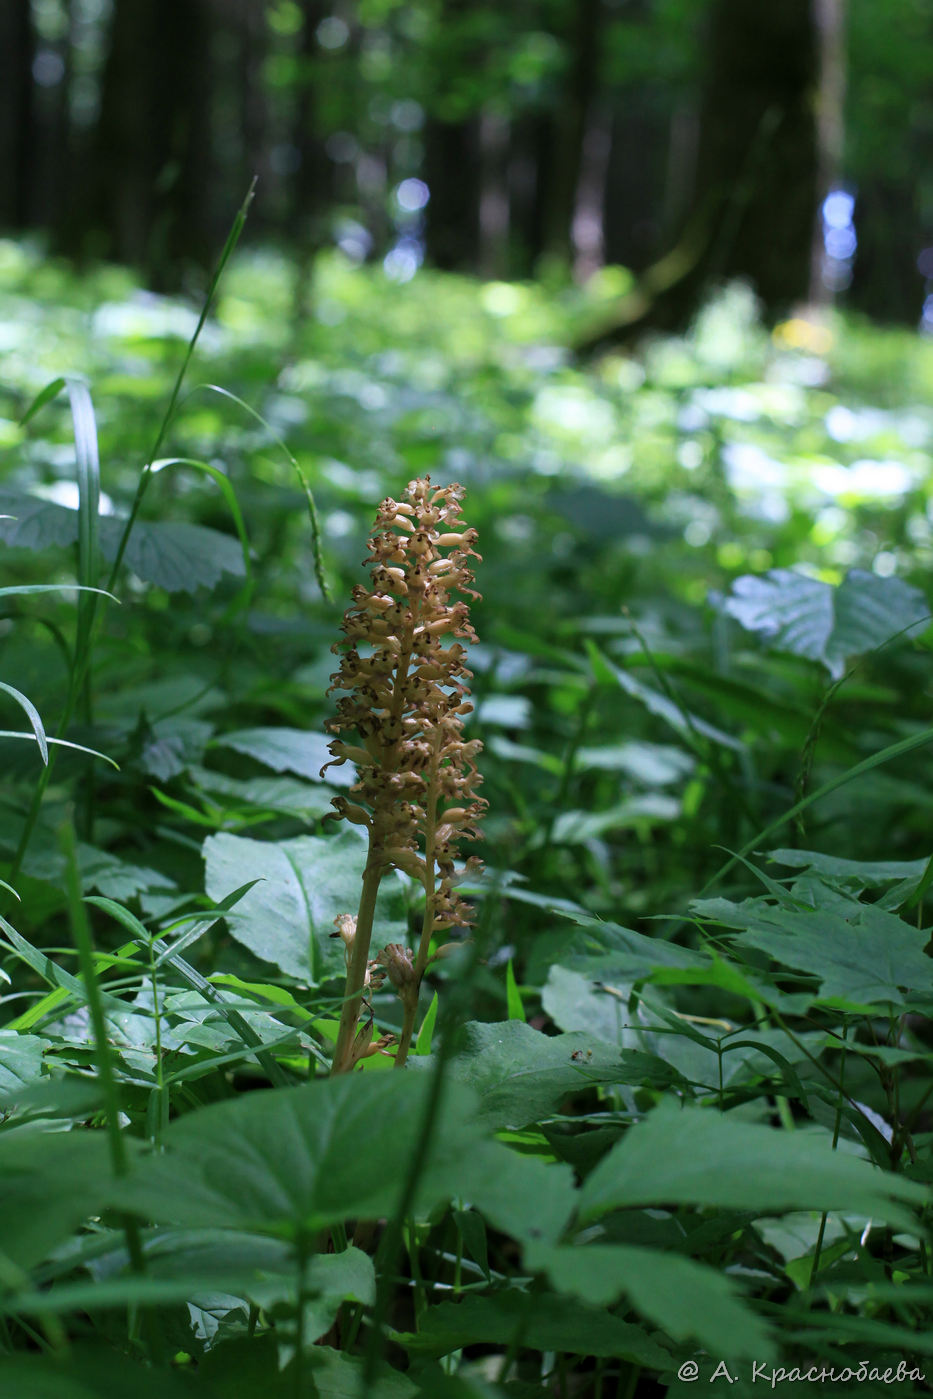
[(830, 125), (148, 195), (310, 186), (527, 150), (757, 164), (494, 222), (562, 171), (451, 166), (17, 114), (251, 103), (635, 191), (756, 186), (887, 284)]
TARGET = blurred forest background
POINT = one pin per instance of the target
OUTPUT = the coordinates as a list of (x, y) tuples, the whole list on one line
[(688, 141)]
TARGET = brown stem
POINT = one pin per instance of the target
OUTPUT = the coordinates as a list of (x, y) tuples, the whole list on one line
[(356, 970), (410, 1002)]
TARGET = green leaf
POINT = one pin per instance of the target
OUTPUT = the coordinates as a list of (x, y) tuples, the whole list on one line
[(174, 555), (37, 1210), (94, 1374), (20, 1062), (300, 751), (426, 1033), (288, 918), (693, 1156), (244, 1368), (863, 956), (512, 994), (302, 1159), (686, 1299), (284, 1161), (32, 714), (574, 1002), (44, 396), (540, 1322), (688, 725), (825, 623), (867, 874), (521, 1075)]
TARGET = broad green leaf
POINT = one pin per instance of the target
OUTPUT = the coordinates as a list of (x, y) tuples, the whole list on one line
[(646, 809), (541, 1321), (688, 1300), (247, 1368), (694, 1156), (863, 956), (867, 874), (521, 1075), (283, 1161), (307, 882), (38, 1210), (99, 870), (574, 1002), (530, 1199), (825, 623), (174, 555), (302, 1159), (96, 1374), (287, 796), (20, 1063), (650, 764), (300, 751)]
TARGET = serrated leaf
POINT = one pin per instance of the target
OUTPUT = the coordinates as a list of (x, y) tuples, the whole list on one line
[(867, 874), (288, 918), (824, 623), (544, 1322), (694, 1156), (862, 956), (686, 1299), (174, 555)]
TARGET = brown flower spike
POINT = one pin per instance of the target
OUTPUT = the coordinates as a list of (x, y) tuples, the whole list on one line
[(403, 669)]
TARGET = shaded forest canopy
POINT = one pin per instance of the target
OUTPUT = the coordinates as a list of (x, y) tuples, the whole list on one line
[(686, 140)]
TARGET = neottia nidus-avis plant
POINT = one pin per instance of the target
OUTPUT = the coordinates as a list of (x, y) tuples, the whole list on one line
[(401, 723)]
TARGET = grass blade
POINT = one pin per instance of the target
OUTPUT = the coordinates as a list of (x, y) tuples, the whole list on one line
[(296, 467), (233, 237), (32, 714)]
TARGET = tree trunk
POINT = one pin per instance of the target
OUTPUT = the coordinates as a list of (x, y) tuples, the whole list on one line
[(451, 166), (830, 127), (569, 130), (756, 189), (149, 181), (494, 213), (17, 114)]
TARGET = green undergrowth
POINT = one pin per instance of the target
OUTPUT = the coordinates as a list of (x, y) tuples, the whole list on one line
[(670, 1105)]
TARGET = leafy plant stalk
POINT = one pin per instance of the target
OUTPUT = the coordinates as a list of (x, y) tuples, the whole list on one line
[(416, 775)]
